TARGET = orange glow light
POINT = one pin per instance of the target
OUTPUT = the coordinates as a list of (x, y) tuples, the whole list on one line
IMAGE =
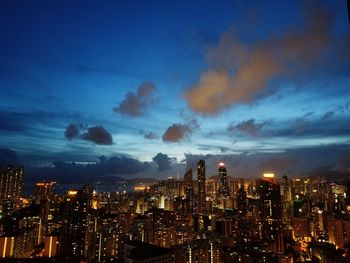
[(45, 183), (140, 188), (269, 175), (72, 192)]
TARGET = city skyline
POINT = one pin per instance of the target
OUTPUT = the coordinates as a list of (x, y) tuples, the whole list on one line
[(153, 89), (197, 219)]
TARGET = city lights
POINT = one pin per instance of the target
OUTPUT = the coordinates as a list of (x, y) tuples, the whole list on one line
[(175, 131), (177, 220)]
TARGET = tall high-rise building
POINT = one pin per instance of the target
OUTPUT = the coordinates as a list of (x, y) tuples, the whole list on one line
[(347, 201), (188, 180), (271, 212), (223, 188), (189, 201), (11, 182), (242, 204), (44, 190), (188, 185), (286, 200), (201, 187), (74, 237)]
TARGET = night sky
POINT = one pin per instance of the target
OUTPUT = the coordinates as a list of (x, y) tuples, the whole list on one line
[(146, 88)]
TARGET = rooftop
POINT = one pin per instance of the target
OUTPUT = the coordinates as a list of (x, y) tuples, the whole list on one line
[(144, 250)]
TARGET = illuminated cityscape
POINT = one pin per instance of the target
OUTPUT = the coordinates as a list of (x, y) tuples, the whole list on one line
[(217, 218), (175, 131)]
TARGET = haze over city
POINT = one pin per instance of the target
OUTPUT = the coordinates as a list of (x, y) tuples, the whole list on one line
[(147, 88)]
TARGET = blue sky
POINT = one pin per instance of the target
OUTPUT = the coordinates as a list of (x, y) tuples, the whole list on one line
[(138, 78)]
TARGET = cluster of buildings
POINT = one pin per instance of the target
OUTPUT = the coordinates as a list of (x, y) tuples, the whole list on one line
[(197, 219)]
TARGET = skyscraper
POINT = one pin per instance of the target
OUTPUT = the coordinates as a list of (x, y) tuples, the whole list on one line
[(242, 201), (44, 190), (271, 212), (188, 185), (223, 188), (188, 181), (286, 200), (11, 182), (74, 241), (201, 187)]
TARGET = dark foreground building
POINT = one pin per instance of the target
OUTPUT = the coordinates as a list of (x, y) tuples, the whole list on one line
[(137, 252)]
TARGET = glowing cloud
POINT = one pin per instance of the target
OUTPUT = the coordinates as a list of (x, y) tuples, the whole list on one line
[(240, 72)]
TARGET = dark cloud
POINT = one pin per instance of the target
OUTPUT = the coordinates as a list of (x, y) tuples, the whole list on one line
[(331, 174), (163, 161), (347, 106), (306, 115), (72, 131), (123, 165), (71, 172), (301, 123), (222, 149), (237, 76), (98, 135), (307, 127), (10, 123), (344, 159), (150, 136), (277, 164), (291, 162), (137, 104), (328, 114), (177, 132), (9, 157), (339, 172), (249, 127), (232, 162), (15, 121)]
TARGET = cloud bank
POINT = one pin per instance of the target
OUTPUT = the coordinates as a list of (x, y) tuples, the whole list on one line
[(9, 157), (163, 161), (249, 127), (71, 172), (307, 161)]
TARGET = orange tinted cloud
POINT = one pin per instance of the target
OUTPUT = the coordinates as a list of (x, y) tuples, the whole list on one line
[(240, 72), (177, 132)]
